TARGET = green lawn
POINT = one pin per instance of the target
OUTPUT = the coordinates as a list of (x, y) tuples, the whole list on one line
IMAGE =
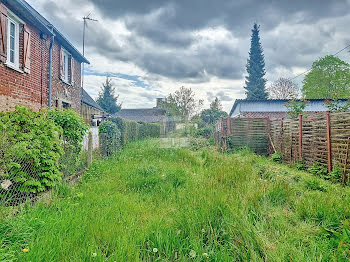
[(158, 204)]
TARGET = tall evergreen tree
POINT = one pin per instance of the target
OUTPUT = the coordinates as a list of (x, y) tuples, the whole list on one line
[(107, 98), (255, 81)]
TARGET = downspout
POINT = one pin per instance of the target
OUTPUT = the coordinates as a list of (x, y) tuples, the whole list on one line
[(50, 68)]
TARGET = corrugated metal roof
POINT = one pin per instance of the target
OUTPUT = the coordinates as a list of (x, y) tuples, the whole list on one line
[(87, 99), (275, 105), (29, 13)]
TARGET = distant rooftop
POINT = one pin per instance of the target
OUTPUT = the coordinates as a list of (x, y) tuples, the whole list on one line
[(87, 99), (275, 105), (151, 115)]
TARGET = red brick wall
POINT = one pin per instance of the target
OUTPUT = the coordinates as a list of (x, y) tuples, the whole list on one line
[(62, 92), (31, 90)]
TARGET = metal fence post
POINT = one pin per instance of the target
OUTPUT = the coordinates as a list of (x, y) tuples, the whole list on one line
[(329, 142)]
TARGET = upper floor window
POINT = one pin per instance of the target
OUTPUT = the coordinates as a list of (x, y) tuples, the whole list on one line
[(12, 42), (66, 66)]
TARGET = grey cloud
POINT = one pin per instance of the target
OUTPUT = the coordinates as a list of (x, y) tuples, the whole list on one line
[(162, 40)]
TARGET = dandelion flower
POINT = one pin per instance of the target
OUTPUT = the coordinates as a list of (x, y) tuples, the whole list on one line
[(155, 250), (25, 250), (205, 255), (192, 253)]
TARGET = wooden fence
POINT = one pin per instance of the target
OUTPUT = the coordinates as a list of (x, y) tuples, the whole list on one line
[(241, 132), (322, 139)]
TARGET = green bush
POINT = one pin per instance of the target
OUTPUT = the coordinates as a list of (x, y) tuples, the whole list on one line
[(133, 131), (336, 175), (74, 129), (110, 138), (205, 132), (300, 165), (276, 157), (319, 171), (30, 151)]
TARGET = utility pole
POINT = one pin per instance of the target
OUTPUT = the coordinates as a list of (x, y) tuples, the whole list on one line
[(85, 18)]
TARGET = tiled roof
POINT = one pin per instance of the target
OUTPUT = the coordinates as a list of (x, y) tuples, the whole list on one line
[(151, 115), (87, 99), (26, 10)]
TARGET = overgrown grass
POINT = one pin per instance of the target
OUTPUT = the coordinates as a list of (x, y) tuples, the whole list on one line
[(152, 204)]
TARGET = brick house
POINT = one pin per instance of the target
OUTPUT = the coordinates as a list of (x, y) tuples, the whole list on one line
[(26, 41), (274, 108), (91, 112)]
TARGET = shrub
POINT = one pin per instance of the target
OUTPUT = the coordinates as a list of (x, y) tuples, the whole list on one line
[(133, 131), (205, 132), (276, 157), (300, 165), (110, 138), (336, 175), (318, 170), (30, 152), (74, 129)]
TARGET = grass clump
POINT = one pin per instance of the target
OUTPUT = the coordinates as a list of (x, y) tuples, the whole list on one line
[(147, 203)]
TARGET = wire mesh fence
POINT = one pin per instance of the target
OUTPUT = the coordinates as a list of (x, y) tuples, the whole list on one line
[(24, 175)]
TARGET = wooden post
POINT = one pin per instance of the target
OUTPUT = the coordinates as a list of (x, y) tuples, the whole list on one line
[(228, 126), (281, 136), (221, 126), (300, 137), (89, 160), (346, 161), (268, 136), (221, 133), (329, 142)]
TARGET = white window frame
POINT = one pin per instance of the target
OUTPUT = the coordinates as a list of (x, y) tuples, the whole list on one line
[(12, 19), (66, 56)]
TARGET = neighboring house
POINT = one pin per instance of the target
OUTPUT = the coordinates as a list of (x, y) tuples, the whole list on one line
[(91, 112), (273, 108), (26, 41), (151, 115)]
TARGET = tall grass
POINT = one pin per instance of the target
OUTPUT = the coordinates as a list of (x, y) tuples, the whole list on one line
[(155, 204)]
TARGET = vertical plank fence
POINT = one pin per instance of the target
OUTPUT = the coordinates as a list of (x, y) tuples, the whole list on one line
[(323, 139)]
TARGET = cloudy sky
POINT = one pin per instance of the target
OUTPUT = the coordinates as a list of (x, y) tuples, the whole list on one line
[(153, 47)]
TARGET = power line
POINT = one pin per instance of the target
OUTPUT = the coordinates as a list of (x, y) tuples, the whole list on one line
[(338, 52)]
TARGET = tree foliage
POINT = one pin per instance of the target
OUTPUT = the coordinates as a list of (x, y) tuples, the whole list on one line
[(329, 77), (255, 82), (296, 107), (107, 98), (209, 116), (74, 129), (283, 88), (182, 103)]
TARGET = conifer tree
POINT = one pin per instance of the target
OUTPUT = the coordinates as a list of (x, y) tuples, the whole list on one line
[(255, 82), (107, 98)]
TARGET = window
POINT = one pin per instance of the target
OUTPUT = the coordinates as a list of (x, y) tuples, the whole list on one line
[(66, 105), (66, 66), (12, 42)]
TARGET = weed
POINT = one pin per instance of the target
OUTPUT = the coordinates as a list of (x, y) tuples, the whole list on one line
[(147, 203), (276, 157)]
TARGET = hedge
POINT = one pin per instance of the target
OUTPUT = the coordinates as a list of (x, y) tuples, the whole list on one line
[(133, 131), (110, 138)]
